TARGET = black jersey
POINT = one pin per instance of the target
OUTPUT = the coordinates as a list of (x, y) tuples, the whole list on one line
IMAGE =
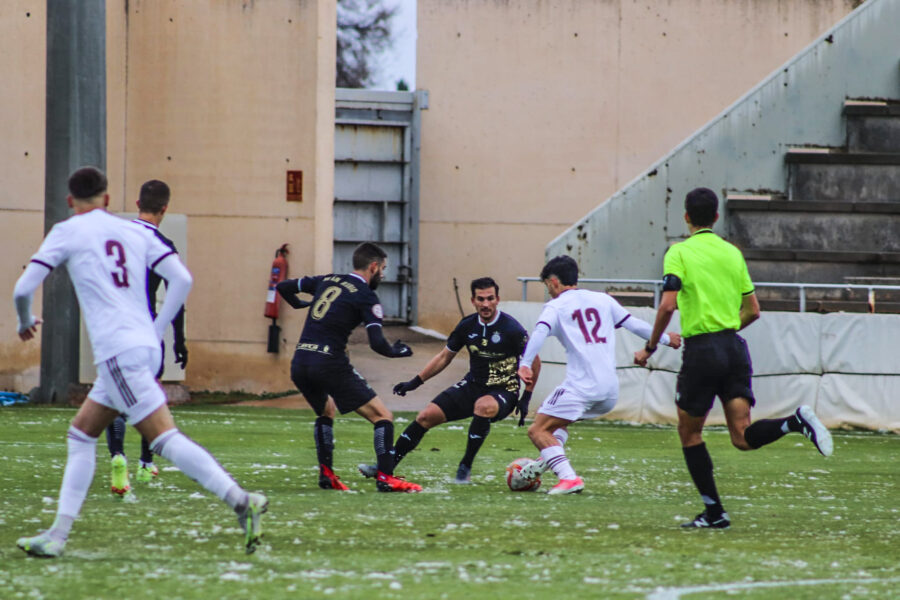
[(494, 349), (153, 281), (340, 303)]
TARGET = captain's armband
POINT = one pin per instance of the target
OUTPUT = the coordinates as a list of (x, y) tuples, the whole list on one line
[(671, 283)]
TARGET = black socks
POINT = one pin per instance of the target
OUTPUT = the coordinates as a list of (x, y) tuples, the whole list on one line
[(700, 467), (384, 446), (115, 436), (478, 430), (146, 454), (766, 431), (408, 440), (324, 434)]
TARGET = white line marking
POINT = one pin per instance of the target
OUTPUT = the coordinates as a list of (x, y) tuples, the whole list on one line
[(677, 593)]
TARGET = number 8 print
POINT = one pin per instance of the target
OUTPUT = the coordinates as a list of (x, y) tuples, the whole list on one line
[(324, 302)]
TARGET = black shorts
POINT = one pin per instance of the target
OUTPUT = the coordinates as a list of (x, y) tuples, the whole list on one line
[(458, 401), (713, 364), (318, 380)]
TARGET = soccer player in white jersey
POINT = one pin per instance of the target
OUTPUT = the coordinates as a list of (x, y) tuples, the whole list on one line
[(585, 324), (107, 260)]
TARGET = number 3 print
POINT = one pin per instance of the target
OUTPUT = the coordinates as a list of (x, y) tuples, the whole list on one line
[(117, 251)]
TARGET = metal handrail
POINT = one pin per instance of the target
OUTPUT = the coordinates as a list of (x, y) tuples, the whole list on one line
[(657, 284)]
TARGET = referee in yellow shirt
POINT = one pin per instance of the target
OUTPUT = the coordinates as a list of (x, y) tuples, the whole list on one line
[(706, 278)]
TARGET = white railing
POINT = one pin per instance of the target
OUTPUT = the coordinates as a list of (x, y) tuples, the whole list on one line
[(657, 284)]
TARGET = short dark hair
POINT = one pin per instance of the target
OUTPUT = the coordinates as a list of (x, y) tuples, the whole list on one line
[(702, 206), (563, 267), (367, 253), (483, 283), (154, 196), (87, 182)]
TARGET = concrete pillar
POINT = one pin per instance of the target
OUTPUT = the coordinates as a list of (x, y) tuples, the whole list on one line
[(75, 136)]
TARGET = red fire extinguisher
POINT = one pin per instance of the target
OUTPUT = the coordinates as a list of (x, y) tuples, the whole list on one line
[(278, 274)]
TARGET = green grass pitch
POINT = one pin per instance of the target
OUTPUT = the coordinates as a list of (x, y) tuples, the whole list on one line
[(802, 526)]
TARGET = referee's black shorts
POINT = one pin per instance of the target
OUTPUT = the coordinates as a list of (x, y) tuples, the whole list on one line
[(713, 364), (317, 380), (458, 401)]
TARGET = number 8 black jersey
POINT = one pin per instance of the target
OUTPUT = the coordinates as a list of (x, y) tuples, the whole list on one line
[(340, 303), (494, 349)]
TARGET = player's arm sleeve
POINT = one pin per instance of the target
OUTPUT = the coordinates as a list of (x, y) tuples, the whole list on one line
[(372, 315), (642, 328), (52, 253), (544, 327), (673, 270), (178, 324), (288, 289), (457, 339), (377, 341), (535, 341), (309, 285), (23, 293), (170, 268), (638, 327)]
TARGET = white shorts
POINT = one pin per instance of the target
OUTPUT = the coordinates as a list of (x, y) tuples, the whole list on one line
[(127, 383), (568, 404)]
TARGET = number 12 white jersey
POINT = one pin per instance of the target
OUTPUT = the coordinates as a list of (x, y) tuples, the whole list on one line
[(585, 324), (107, 259)]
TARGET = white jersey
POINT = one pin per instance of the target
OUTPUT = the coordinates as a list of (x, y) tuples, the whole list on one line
[(585, 324), (107, 259)]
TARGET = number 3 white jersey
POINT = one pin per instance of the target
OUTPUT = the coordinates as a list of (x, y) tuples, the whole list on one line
[(585, 324), (107, 259)]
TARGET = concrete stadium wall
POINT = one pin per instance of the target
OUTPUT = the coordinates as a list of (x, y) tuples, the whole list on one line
[(23, 70), (742, 149), (842, 365), (219, 99), (541, 109)]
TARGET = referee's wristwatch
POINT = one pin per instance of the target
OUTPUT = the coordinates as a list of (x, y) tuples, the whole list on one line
[(648, 349)]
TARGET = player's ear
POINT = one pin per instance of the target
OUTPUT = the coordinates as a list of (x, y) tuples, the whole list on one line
[(105, 200), (70, 201)]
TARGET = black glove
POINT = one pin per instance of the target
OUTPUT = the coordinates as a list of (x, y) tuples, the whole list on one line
[(181, 354), (407, 386), (522, 407), (401, 350)]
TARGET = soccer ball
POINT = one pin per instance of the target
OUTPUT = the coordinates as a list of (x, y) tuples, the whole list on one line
[(516, 481)]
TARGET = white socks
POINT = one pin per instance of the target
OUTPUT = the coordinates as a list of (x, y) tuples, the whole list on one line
[(194, 461), (555, 458), (562, 436), (79, 472)]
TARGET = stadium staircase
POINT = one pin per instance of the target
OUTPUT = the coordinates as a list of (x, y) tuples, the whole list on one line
[(839, 220)]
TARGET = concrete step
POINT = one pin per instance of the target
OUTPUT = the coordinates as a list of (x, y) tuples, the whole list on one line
[(792, 265), (828, 306), (872, 126), (850, 226), (826, 174)]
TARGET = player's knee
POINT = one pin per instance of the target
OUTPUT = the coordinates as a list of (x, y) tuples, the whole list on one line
[(739, 442), (426, 419), (486, 407)]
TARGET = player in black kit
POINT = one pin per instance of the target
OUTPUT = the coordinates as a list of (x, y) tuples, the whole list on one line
[(153, 201), (488, 392), (321, 367)]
